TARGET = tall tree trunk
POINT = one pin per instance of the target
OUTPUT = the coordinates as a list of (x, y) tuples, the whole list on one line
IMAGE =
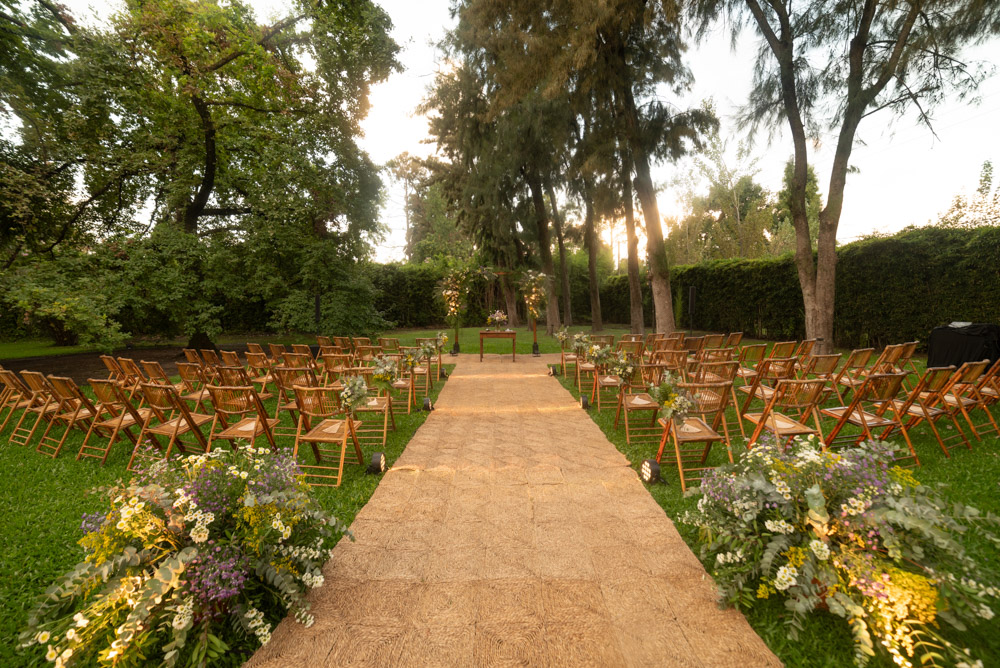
[(590, 241), (655, 249), (637, 320), (510, 299), (563, 271), (545, 249)]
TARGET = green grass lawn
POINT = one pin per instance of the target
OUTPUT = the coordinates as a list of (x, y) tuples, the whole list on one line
[(972, 478), (43, 500)]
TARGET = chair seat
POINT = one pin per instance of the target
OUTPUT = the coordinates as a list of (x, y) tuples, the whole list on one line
[(327, 431), (781, 424), (609, 381), (693, 429), (587, 366), (84, 414), (247, 428), (640, 402), (401, 384), (128, 420), (952, 400), (374, 405), (850, 381), (178, 423), (855, 418), (197, 395), (914, 409)]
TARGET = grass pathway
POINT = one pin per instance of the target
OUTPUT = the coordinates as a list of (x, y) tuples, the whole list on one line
[(511, 531)]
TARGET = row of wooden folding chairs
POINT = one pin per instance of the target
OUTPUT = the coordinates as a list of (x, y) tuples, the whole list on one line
[(238, 416)]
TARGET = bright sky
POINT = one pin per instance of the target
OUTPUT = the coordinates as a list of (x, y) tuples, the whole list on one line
[(907, 176)]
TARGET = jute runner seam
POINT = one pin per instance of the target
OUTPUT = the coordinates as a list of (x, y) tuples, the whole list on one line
[(512, 532)]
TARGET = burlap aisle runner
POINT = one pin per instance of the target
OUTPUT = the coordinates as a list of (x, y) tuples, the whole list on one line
[(511, 531)]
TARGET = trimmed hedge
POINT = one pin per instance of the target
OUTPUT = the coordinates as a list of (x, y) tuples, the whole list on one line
[(889, 289)]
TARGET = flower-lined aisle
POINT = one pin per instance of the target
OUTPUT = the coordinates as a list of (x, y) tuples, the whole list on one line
[(188, 548)]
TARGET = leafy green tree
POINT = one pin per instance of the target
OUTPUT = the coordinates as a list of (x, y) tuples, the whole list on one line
[(736, 212), (621, 55), (60, 299), (783, 232), (981, 210), (830, 65)]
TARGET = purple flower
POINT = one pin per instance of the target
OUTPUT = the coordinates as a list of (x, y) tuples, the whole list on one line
[(91, 522)]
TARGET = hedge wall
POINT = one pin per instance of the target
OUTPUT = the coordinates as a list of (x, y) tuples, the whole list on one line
[(889, 290)]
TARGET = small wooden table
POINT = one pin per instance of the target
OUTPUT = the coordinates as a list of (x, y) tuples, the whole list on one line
[(489, 334)]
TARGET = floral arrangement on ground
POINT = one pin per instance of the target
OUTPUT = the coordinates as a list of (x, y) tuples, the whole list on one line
[(190, 551), (847, 532)]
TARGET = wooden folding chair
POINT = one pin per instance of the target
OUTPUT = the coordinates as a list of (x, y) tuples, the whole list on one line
[(286, 378), (115, 416), (734, 339), (872, 409), (156, 374), (255, 348), (195, 384), (277, 352), (713, 340), (905, 363), (134, 376), (259, 370), (804, 351), (326, 434), (239, 415), (709, 402), (782, 350), (678, 336), (389, 346), (211, 358), (366, 355), (15, 396), (297, 360), (694, 344), (114, 371), (769, 372), (750, 357), (607, 387), (191, 356), (567, 356), (323, 341), (333, 366), (963, 392), (633, 405), (924, 404), (230, 358), (420, 374), (822, 367), (41, 405), (73, 411), (852, 374), (792, 404), (602, 340), (164, 402), (344, 342), (675, 361), (721, 372), (887, 361), (373, 419), (988, 389), (237, 376), (436, 361)]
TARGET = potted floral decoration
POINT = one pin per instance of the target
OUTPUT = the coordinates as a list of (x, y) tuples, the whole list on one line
[(621, 365), (191, 550), (601, 356), (850, 534), (562, 336)]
